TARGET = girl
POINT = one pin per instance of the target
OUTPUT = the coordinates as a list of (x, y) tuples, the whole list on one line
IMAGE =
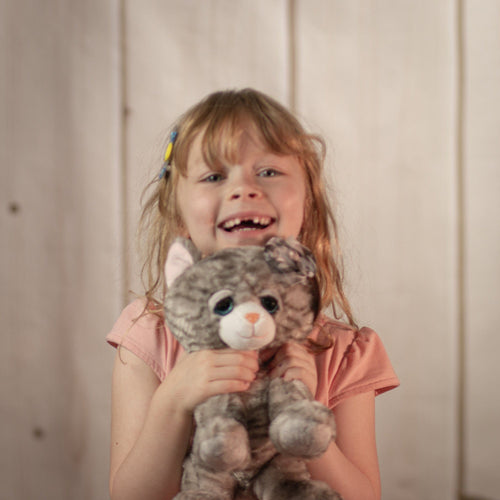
[(239, 169)]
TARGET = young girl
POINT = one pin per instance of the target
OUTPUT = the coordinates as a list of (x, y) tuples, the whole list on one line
[(239, 169)]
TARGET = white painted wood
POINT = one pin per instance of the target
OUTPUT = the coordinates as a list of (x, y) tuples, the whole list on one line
[(178, 52), (482, 249), (59, 256), (378, 80)]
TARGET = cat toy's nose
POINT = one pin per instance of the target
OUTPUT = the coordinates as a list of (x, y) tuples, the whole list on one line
[(252, 317)]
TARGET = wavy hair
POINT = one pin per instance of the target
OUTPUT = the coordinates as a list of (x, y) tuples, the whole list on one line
[(219, 118)]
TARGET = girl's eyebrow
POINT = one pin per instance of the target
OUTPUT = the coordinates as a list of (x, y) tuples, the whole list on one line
[(200, 168), (282, 160)]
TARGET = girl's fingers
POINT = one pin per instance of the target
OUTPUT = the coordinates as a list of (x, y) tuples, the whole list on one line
[(200, 375), (289, 350), (228, 357), (226, 386), (292, 355), (294, 362), (240, 373)]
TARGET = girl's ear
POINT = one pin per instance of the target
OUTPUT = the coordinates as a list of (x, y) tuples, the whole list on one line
[(182, 254)]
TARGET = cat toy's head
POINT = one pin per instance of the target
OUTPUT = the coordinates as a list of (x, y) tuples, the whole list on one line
[(245, 298)]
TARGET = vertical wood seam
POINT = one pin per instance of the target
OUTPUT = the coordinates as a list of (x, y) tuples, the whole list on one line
[(460, 187), (292, 56), (125, 260)]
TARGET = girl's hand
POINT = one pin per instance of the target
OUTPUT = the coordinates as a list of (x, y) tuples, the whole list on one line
[(293, 361), (200, 375)]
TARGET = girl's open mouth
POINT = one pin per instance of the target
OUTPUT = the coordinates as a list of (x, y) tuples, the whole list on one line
[(246, 224)]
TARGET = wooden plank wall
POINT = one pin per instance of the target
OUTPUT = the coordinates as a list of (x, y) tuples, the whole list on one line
[(389, 96), (60, 244), (481, 267), (406, 94)]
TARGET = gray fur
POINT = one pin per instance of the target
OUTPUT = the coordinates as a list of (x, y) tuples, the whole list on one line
[(255, 440)]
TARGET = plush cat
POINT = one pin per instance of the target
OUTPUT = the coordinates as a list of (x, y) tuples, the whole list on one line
[(249, 298)]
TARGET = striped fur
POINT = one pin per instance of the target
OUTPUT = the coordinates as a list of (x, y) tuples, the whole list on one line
[(254, 440)]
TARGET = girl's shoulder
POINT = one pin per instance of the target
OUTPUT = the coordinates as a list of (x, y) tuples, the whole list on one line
[(343, 334), (137, 318), (356, 362), (140, 328)]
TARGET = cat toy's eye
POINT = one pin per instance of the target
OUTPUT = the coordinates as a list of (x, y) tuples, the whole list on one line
[(224, 306), (221, 302), (269, 303)]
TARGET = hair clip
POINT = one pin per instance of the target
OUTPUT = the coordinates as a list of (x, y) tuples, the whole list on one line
[(165, 169)]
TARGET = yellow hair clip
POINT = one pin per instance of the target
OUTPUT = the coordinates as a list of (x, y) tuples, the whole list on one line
[(165, 169)]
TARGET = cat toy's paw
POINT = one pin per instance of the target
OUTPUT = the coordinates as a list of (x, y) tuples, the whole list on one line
[(286, 480), (224, 445), (197, 495), (310, 490), (304, 429)]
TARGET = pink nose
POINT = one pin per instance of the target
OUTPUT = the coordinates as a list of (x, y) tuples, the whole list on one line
[(252, 317)]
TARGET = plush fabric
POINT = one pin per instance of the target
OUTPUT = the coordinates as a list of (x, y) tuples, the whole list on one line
[(250, 298)]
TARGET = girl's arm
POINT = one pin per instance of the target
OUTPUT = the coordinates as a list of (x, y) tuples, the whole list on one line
[(350, 464), (152, 421)]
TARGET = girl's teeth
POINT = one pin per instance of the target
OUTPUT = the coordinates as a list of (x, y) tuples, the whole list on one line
[(262, 221)]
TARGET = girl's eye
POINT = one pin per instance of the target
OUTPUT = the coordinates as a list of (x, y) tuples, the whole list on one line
[(269, 303), (215, 177), (268, 172), (224, 306)]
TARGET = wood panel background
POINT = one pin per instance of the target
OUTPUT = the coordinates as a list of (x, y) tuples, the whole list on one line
[(406, 94)]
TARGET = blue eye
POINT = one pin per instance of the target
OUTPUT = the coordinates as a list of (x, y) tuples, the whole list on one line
[(268, 172), (213, 178), (269, 303), (224, 306)]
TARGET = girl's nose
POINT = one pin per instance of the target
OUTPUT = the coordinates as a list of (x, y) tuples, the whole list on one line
[(244, 187), (243, 193)]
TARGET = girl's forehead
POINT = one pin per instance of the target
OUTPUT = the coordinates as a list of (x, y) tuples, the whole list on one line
[(226, 144)]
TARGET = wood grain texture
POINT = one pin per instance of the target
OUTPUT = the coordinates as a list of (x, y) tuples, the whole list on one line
[(59, 260), (378, 80), (481, 159)]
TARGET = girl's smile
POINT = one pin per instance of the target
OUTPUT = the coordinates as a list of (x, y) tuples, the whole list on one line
[(246, 222), (261, 195)]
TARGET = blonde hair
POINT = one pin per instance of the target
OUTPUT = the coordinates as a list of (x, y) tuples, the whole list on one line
[(219, 117)]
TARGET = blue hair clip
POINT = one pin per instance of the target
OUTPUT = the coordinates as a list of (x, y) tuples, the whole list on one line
[(165, 169)]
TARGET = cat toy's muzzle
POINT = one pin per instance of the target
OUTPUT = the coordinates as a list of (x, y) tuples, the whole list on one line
[(248, 327)]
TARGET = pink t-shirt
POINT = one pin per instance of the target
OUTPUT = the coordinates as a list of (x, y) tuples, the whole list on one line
[(356, 363)]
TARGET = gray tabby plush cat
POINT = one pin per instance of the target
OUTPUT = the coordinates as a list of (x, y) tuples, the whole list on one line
[(249, 298)]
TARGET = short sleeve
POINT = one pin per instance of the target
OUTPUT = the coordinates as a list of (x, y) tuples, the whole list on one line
[(144, 334), (365, 367), (357, 363)]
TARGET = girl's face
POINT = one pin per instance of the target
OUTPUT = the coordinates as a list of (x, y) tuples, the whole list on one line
[(262, 195)]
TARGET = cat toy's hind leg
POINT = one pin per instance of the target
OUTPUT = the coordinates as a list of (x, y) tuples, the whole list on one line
[(221, 441), (299, 426), (287, 478), (200, 483)]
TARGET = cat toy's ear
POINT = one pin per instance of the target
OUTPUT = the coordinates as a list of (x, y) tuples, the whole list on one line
[(182, 254), (290, 256)]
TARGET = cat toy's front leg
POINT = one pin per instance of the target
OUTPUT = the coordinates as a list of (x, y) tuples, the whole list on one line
[(221, 440), (299, 426)]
